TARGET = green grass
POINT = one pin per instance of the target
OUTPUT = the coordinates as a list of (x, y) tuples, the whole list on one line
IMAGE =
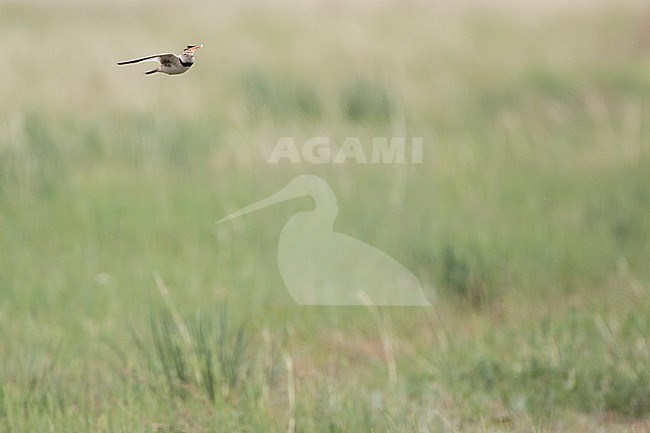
[(123, 307)]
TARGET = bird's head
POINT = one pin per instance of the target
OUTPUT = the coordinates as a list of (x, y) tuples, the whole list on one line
[(188, 53)]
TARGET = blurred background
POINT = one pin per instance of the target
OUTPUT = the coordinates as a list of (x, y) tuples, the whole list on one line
[(123, 307)]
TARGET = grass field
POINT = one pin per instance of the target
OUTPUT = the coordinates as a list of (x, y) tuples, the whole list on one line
[(124, 308)]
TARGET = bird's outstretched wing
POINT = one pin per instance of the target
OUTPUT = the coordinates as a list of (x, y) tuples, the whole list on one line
[(160, 58)]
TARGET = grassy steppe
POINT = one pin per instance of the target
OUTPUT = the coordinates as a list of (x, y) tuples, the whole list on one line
[(123, 308)]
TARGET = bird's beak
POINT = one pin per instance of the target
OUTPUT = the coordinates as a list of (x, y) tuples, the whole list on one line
[(278, 197), (292, 190), (192, 48)]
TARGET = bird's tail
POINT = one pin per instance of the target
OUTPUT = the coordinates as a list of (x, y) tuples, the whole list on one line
[(153, 71)]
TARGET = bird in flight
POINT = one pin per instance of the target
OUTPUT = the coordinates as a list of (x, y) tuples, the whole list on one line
[(170, 64)]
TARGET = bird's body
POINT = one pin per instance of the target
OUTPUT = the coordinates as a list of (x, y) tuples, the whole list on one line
[(170, 64), (322, 267)]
